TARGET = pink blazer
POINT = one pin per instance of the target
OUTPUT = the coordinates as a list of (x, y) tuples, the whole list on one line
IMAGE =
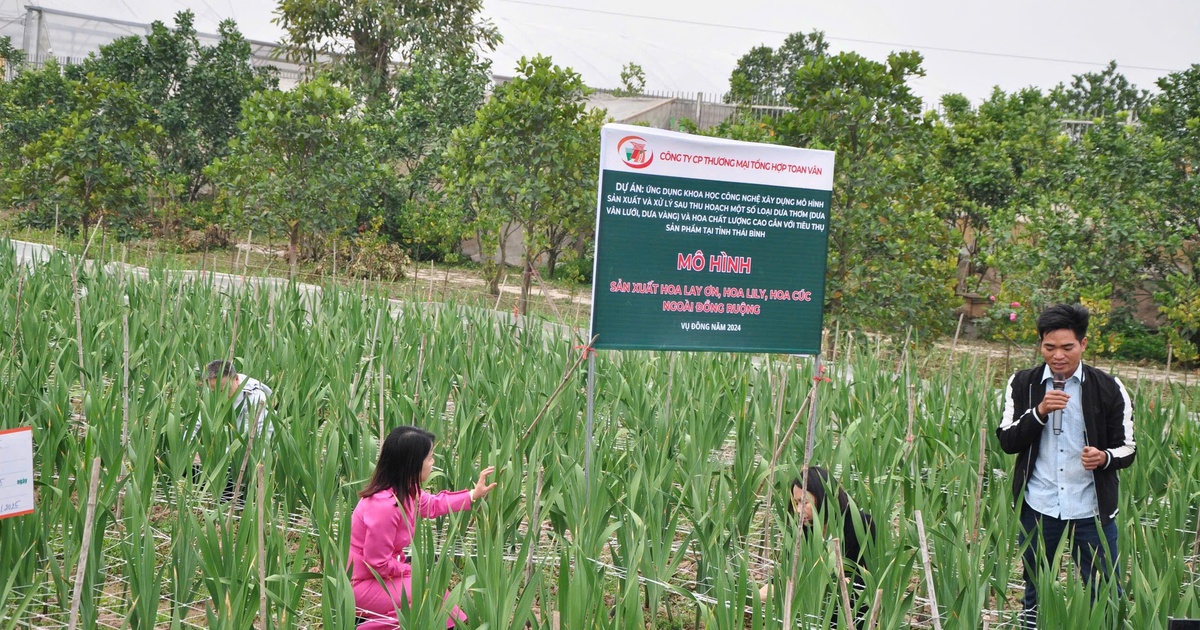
[(379, 530)]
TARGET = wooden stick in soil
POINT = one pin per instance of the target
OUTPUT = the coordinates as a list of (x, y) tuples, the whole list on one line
[(933, 607), (950, 367), (78, 331), (246, 256), (85, 546), (912, 415), (420, 369), (252, 421), (845, 589), (904, 355), (566, 377), (873, 618), (837, 335), (431, 280), (382, 428), (124, 402), (535, 523), (361, 378), (12, 348), (124, 381), (546, 294), (979, 482), (262, 549), (500, 292), (779, 400), (1196, 540), (790, 589), (806, 404)]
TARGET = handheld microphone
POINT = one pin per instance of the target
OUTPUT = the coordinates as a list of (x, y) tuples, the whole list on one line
[(1060, 383)]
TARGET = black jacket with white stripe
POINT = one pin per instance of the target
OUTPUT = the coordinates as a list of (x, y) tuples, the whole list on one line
[(1108, 421)]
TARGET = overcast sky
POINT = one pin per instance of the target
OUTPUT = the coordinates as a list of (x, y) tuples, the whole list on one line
[(692, 46)]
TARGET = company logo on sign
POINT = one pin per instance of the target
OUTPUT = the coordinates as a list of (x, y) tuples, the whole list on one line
[(633, 152)]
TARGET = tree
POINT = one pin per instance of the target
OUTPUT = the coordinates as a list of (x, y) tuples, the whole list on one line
[(367, 41), (891, 251), (418, 66), (195, 92), (9, 55), (411, 130), (36, 101), (633, 80), (98, 163), (1174, 117), (1100, 94), (765, 75), (301, 163), (528, 159), (994, 161)]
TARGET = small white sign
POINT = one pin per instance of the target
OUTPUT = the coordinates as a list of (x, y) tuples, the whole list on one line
[(16, 472)]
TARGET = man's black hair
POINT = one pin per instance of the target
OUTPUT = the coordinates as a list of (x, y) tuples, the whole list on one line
[(220, 368), (1073, 317)]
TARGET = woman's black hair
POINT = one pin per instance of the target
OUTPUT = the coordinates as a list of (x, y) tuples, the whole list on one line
[(400, 462), (820, 484)]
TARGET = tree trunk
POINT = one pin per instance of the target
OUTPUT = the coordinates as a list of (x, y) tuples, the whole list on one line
[(551, 261), (526, 280), (294, 251)]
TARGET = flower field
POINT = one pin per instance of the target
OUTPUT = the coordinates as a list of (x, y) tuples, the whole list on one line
[(683, 517)]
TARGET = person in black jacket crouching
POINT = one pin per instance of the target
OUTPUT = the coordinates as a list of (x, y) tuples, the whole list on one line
[(1071, 427), (825, 495)]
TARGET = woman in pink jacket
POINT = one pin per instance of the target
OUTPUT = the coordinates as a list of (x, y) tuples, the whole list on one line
[(383, 524)]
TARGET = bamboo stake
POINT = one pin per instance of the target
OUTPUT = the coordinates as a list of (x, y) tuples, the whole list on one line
[(125, 382), (431, 280), (500, 292), (837, 335), (237, 313), (420, 370), (546, 294), (85, 545), (246, 257), (12, 350), (790, 589), (382, 430), (78, 331), (979, 482), (566, 377), (805, 404), (950, 368), (361, 378), (912, 414), (904, 355), (262, 548), (251, 420), (124, 401), (535, 523), (933, 607), (779, 400), (873, 622), (1196, 540), (841, 572)]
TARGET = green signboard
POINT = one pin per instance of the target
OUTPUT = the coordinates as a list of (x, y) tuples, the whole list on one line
[(709, 244)]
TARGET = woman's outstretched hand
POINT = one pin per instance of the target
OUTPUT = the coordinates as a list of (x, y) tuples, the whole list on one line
[(482, 487)]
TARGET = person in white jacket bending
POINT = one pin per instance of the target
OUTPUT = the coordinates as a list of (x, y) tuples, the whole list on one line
[(249, 400)]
